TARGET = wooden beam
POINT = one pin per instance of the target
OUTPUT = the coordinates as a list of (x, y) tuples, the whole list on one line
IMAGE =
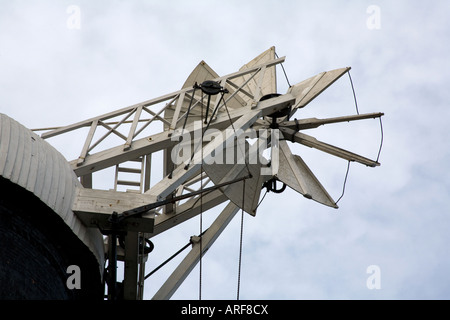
[(309, 89), (312, 123), (190, 261), (130, 137), (186, 211), (86, 181), (177, 110), (86, 123), (240, 89), (182, 173), (94, 208), (160, 141), (325, 147), (87, 142), (130, 281), (251, 70), (258, 92)]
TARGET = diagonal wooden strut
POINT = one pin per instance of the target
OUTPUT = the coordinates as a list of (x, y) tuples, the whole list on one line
[(193, 257), (328, 148)]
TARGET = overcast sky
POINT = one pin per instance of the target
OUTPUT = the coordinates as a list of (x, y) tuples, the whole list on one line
[(56, 72)]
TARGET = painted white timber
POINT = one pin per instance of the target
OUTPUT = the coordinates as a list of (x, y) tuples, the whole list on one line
[(186, 211), (180, 175), (296, 174), (193, 257), (325, 147), (130, 137), (160, 141), (150, 102), (309, 89), (95, 207), (310, 123), (107, 201)]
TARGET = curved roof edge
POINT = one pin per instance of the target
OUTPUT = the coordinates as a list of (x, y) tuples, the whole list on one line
[(32, 163)]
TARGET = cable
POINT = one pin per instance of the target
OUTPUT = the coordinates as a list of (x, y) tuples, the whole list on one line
[(382, 137), (284, 71), (381, 142), (189, 107), (357, 111), (239, 145), (208, 124), (260, 201), (185, 121), (201, 208), (168, 260), (240, 242), (354, 93), (345, 182), (171, 257)]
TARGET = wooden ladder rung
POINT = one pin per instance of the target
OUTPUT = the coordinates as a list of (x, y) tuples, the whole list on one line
[(128, 183), (129, 170)]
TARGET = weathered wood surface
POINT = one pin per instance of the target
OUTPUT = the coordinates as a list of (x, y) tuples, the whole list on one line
[(193, 257), (310, 88), (296, 174)]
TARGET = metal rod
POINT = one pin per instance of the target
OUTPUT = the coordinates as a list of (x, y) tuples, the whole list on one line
[(145, 208), (207, 109)]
